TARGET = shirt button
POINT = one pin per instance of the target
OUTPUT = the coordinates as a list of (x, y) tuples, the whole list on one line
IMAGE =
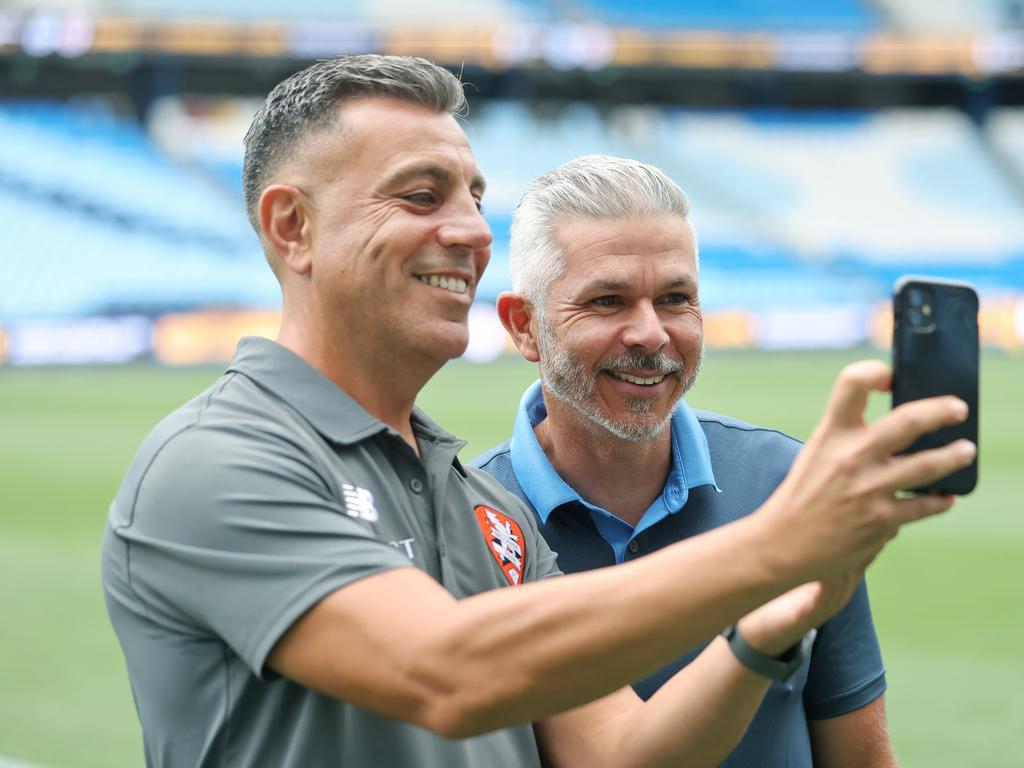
[(416, 485), (633, 546)]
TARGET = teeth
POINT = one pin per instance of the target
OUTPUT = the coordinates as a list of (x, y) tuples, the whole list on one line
[(453, 284), (636, 379)]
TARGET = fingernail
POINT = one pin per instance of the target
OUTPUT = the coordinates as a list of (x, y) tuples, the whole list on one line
[(961, 409), (966, 448)]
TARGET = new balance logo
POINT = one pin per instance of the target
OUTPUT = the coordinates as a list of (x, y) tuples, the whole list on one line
[(359, 503)]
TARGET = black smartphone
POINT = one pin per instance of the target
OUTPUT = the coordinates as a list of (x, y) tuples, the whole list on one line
[(935, 352)]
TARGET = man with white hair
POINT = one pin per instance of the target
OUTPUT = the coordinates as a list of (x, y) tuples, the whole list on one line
[(614, 463)]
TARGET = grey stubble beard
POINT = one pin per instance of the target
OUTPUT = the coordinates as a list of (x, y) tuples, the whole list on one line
[(568, 379)]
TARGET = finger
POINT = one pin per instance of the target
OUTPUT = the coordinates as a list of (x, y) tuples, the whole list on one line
[(917, 469), (919, 507), (850, 393), (907, 422)]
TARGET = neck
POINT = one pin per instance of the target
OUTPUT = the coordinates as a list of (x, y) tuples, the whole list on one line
[(621, 476), (371, 374)]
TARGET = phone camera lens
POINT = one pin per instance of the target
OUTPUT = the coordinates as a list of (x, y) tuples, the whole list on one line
[(917, 297), (916, 317)]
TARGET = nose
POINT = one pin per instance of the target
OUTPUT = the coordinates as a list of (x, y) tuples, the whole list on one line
[(465, 227), (644, 328)]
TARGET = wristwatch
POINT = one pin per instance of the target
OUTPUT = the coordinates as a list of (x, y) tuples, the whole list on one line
[(781, 667)]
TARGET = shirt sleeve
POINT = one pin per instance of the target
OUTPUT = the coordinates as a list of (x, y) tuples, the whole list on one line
[(544, 563), (846, 671), (235, 534)]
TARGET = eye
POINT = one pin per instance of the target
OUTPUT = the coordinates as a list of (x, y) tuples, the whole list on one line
[(424, 199), (679, 299), (607, 301)]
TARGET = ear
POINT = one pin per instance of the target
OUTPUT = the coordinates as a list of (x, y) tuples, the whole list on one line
[(518, 317), (285, 218)]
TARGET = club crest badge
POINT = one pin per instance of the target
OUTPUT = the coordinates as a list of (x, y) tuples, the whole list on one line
[(504, 539)]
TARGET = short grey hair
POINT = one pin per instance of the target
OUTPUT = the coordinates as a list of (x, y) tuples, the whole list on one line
[(589, 187), (308, 101)]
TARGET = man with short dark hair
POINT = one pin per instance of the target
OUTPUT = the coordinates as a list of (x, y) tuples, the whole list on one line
[(614, 463), (301, 572)]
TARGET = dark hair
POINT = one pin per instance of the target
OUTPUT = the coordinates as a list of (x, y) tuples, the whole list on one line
[(309, 99)]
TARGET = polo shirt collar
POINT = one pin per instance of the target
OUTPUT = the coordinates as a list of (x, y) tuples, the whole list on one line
[(329, 409), (546, 490)]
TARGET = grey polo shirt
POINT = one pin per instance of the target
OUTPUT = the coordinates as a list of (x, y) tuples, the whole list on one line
[(244, 508)]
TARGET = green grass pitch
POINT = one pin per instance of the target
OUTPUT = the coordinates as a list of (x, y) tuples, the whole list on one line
[(947, 594)]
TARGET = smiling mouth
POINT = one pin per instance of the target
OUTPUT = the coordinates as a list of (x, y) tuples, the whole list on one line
[(644, 381), (451, 284)]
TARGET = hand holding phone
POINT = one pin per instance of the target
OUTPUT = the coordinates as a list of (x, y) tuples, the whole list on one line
[(935, 352)]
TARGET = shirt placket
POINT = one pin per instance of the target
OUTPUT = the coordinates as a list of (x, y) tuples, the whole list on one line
[(412, 476), (438, 462)]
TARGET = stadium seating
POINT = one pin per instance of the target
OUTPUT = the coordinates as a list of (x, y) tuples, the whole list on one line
[(820, 208), (85, 155), (101, 222), (952, 16), (790, 15), (301, 11), (60, 263), (860, 197), (851, 16), (844, 15), (1006, 129)]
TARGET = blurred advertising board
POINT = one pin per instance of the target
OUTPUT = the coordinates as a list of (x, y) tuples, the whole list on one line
[(192, 338), (1000, 323), (78, 342)]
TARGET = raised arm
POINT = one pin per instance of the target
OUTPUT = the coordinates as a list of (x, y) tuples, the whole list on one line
[(459, 668), (396, 643)]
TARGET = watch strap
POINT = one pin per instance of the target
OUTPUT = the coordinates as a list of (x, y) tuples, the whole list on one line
[(780, 667)]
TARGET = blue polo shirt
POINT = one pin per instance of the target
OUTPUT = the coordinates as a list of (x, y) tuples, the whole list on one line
[(547, 491), (722, 469)]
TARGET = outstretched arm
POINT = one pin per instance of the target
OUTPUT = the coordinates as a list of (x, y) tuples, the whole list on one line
[(515, 655)]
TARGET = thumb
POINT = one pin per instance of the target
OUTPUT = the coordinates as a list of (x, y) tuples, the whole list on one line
[(850, 392)]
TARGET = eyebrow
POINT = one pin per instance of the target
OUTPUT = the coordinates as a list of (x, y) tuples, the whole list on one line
[(681, 282), (614, 286), (605, 285), (441, 175)]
